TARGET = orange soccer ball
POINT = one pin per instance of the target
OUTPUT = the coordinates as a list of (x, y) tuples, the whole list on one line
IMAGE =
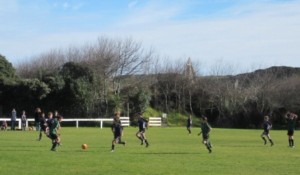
[(84, 146)]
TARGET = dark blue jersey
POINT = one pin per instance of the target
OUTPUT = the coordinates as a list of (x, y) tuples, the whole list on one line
[(142, 123), (267, 126), (117, 128), (42, 123), (189, 122), (49, 122)]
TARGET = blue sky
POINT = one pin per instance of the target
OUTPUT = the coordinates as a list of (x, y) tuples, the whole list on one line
[(243, 33)]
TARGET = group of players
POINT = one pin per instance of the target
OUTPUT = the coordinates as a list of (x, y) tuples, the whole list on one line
[(50, 127), (117, 130), (291, 123)]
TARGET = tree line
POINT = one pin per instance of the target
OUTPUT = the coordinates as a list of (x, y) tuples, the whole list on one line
[(98, 79)]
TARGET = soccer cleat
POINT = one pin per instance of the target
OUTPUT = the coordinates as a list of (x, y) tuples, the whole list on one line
[(147, 145), (53, 149), (112, 151), (209, 151), (272, 144)]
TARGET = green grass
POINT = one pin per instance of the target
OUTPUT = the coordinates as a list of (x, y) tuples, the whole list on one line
[(171, 151)]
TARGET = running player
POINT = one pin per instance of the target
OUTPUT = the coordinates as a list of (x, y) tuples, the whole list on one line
[(53, 131), (291, 122), (205, 130), (43, 126), (143, 124), (117, 130), (266, 133)]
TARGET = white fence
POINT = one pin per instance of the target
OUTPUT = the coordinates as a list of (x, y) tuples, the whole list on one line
[(153, 121), (124, 121)]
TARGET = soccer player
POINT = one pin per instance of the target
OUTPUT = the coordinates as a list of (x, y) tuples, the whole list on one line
[(143, 124), (42, 126), (53, 131), (117, 130), (189, 124), (266, 133), (57, 115), (48, 125), (291, 122), (205, 130)]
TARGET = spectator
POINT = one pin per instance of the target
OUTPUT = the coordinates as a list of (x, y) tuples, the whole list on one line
[(13, 118), (23, 120)]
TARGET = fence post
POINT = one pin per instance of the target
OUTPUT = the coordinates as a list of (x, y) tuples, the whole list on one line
[(19, 123)]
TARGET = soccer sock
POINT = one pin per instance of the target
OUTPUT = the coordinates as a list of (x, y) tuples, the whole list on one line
[(142, 140), (271, 141), (54, 145), (146, 141), (264, 140), (292, 142), (122, 143), (112, 147), (40, 137), (208, 146)]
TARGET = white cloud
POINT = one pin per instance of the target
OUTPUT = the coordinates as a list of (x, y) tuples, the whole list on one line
[(153, 12), (266, 34), (260, 33)]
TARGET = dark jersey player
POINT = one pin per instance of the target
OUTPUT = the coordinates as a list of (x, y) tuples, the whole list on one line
[(43, 126), (53, 131), (143, 124), (205, 130), (117, 130), (266, 133), (291, 123)]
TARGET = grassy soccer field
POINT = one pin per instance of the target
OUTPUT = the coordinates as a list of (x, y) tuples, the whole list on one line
[(171, 151)]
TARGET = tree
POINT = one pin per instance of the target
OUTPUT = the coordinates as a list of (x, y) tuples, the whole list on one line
[(7, 71), (77, 92)]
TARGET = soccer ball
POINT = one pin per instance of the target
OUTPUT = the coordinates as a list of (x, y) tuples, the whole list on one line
[(84, 146)]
